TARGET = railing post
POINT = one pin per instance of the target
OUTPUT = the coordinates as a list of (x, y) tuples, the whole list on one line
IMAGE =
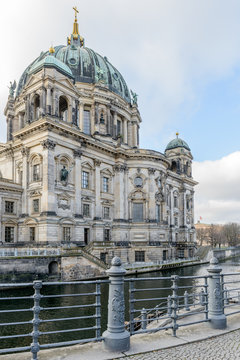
[(143, 319), (226, 301), (169, 305), (216, 314), (202, 297), (174, 315), (98, 309), (131, 307), (116, 338), (186, 304), (37, 285)]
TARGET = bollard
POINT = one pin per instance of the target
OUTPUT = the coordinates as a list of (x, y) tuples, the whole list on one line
[(143, 319), (202, 297), (216, 315), (116, 338), (186, 303)]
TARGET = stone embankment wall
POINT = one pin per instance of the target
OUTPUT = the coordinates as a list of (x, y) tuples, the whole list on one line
[(64, 268), (222, 254)]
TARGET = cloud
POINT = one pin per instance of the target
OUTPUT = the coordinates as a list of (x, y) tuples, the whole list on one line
[(217, 198)]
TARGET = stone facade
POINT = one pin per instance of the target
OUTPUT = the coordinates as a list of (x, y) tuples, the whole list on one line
[(74, 173)]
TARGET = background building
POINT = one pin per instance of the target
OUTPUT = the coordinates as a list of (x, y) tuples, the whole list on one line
[(72, 170)]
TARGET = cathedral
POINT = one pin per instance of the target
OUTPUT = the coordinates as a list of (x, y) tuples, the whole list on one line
[(72, 171)]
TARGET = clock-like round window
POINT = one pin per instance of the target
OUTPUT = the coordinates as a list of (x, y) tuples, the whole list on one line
[(138, 181)]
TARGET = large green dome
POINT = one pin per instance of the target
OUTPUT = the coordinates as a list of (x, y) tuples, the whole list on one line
[(86, 66), (175, 143)]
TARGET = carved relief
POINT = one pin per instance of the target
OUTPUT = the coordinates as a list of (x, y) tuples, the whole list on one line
[(48, 144), (151, 171), (118, 307), (77, 153), (25, 151)]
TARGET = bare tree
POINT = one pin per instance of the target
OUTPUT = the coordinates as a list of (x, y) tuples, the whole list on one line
[(231, 233), (202, 235)]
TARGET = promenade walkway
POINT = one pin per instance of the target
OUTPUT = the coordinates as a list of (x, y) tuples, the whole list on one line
[(195, 342)]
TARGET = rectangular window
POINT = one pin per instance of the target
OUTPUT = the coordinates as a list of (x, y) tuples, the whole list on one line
[(106, 234), (86, 236), (106, 212), (32, 233), (9, 207), (36, 172), (176, 221), (139, 256), (36, 205), (105, 184), (9, 234), (118, 127), (158, 213), (138, 212), (85, 180), (86, 210), (175, 201), (86, 122), (181, 253), (66, 233), (103, 257)]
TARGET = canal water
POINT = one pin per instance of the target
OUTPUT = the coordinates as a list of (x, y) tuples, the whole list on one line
[(228, 266)]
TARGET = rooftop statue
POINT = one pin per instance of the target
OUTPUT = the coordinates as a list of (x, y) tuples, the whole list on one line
[(134, 97), (12, 88)]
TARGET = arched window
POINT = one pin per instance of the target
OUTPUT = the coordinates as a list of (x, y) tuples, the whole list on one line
[(174, 166), (63, 108), (36, 107), (53, 268)]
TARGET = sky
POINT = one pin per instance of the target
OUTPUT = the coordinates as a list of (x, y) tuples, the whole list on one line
[(182, 58)]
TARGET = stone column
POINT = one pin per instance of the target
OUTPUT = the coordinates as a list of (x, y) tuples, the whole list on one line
[(215, 297), (78, 171), (192, 209), (116, 338), (48, 179), (115, 124), (126, 193), (119, 191), (20, 121), (134, 134), (25, 154), (125, 135), (81, 109), (98, 209), (151, 192), (49, 102), (108, 120), (92, 120), (70, 112), (1, 228), (129, 128), (171, 206)]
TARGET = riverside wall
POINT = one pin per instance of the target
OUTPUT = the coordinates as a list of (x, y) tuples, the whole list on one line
[(228, 253)]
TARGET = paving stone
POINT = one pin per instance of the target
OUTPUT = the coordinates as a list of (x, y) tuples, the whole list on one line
[(223, 347)]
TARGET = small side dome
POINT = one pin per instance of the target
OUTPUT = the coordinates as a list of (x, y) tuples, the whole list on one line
[(175, 143), (51, 61)]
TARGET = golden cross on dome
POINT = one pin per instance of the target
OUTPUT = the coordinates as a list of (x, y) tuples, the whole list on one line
[(76, 11)]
